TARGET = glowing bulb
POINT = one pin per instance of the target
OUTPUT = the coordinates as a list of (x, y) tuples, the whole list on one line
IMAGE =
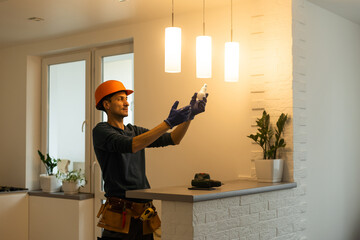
[(203, 57), (202, 93), (173, 50), (231, 61)]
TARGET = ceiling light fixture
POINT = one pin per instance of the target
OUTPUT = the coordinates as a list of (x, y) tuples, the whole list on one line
[(203, 53), (231, 57), (172, 47)]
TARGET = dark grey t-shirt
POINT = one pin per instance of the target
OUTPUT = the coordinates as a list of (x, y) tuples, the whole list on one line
[(122, 170)]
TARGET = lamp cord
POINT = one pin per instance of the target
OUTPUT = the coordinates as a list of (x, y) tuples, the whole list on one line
[(231, 20), (204, 17), (172, 14)]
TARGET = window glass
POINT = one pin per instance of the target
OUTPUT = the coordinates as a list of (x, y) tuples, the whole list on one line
[(66, 113), (120, 67)]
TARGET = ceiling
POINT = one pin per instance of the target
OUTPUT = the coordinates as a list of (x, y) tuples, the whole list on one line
[(349, 9), (66, 17)]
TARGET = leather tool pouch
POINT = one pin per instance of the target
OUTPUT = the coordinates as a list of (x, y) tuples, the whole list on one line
[(149, 226), (114, 218)]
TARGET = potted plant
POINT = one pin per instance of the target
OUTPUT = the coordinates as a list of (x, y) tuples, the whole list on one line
[(48, 181), (71, 181), (270, 168)]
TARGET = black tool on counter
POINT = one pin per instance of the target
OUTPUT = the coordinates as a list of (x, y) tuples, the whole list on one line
[(202, 181)]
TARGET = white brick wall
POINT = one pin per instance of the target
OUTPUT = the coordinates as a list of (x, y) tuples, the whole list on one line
[(271, 71), (270, 215), (299, 118)]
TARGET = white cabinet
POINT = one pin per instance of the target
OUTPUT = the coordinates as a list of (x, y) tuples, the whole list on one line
[(14, 216), (59, 219)]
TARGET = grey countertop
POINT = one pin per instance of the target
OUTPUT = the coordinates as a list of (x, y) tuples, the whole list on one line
[(229, 189), (13, 192), (78, 196)]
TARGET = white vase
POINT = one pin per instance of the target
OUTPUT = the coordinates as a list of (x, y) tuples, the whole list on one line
[(70, 187), (49, 183), (269, 170)]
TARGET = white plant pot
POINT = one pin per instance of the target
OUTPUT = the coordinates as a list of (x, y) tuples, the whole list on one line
[(70, 187), (269, 170), (49, 183)]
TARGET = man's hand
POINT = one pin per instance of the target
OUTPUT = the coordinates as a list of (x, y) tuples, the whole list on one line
[(197, 106), (178, 116)]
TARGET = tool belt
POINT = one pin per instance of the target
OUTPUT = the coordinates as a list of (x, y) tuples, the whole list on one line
[(116, 215)]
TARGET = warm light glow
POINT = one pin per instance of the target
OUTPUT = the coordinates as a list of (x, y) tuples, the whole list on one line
[(173, 50), (203, 57), (231, 61)]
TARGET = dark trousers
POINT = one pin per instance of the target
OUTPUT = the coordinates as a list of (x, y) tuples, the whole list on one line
[(135, 233)]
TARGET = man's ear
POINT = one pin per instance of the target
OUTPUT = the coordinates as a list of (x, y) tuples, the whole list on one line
[(106, 104)]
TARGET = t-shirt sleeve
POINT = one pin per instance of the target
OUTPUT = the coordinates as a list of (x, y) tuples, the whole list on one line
[(108, 139), (163, 141)]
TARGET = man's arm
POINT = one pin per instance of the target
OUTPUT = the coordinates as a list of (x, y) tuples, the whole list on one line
[(176, 117), (143, 140), (196, 108), (179, 132)]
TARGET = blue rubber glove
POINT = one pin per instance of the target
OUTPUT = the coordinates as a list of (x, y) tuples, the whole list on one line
[(178, 116), (197, 106)]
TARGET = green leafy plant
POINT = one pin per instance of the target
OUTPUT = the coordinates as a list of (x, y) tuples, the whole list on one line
[(49, 162), (72, 176), (265, 134)]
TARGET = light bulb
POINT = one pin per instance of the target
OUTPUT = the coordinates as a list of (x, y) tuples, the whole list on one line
[(173, 50), (231, 61), (202, 93), (203, 57)]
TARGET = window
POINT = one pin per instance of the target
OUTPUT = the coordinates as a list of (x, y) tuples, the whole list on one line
[(68, 104)]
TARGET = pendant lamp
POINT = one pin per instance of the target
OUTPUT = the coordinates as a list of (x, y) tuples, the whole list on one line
[(231, 58), (203, 53), (172, 47)]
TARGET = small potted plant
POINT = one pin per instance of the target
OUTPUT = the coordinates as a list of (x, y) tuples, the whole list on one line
[(270, 168), (71, 181), (48, 181)]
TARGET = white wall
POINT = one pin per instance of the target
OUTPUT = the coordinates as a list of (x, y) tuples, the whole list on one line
[(33, 96), (333, 66), (13, 118)]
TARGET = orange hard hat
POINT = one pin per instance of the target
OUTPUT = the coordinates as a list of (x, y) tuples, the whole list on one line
[(109, 87)]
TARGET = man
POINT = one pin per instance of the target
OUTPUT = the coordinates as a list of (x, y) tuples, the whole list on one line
[(121, 155)]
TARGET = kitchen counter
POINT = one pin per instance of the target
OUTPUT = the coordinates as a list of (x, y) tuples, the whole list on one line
[(229, 189), (77, 196), (214, 214), (7, 190)]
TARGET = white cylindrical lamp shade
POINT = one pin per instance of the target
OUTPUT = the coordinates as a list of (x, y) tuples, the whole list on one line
[(231, 61), (173, 50), (203, 57)]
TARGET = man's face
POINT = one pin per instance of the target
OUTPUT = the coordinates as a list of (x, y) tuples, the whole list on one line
[(118, 105)]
